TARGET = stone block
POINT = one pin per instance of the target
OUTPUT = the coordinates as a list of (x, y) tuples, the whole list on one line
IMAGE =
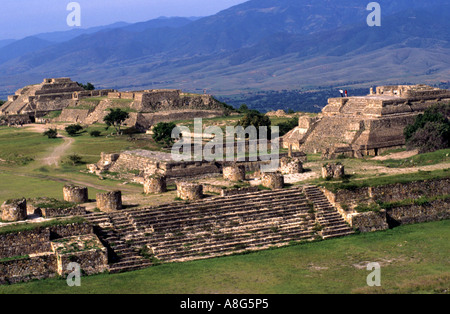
[(234, 173), (155, 184), (75, 194), (110, 201), (290, 165), (272, 180), (189, 191), (14, 210)]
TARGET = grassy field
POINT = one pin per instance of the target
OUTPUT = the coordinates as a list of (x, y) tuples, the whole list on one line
[(413, 259), (23, 174)]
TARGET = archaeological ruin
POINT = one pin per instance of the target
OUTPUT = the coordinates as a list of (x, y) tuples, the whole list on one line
[(364, 125), (239, 209), (76, 105)]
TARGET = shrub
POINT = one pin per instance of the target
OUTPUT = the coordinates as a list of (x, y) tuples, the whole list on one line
[(95, 133), (430, 131), (162, 133), (73, 129), (51, 133), (75, 159)]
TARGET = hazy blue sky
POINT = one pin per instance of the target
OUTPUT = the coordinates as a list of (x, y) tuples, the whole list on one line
[(20, 18)]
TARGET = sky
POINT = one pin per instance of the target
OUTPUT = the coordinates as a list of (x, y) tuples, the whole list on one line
[(21, 18)]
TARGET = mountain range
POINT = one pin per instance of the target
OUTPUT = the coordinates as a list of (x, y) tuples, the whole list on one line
[(257, 45)]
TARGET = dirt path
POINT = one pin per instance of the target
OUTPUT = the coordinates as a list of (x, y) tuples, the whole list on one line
[(400, 155), (59, 151)]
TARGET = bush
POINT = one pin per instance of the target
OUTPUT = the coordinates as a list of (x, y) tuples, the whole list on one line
[(287, 126), (75, 159), (95, 133), (162, 133), (430, 131), (51, 133), (73, 129), (433, 136)]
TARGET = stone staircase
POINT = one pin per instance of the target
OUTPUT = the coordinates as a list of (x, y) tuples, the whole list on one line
[(112, 230), (327, 216), (225, 225), (214, 227)]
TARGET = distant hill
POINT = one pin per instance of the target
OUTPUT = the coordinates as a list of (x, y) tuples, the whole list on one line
[(254, 46)]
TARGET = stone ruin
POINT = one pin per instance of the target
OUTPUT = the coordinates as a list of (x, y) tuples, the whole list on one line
[(189, 191), (333, 171), (155, 184), (14, 210), (109, 201), (290, 165), (234, 173), (147, 107), (364, 125), (75, 194), (272, 180)]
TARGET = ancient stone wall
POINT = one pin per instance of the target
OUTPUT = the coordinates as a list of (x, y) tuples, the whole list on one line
[(394, 192), (24, 243), (410, 214), (370, 221), (31, 268), (61, 212)]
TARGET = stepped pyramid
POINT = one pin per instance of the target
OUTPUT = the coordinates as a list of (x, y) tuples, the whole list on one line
[(50, 95), (364, 125)]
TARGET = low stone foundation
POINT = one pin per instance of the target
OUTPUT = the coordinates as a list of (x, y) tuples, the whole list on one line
[(109, 202), (86, 250)]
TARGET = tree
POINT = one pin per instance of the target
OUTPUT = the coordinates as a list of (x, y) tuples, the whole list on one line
[(287, 126), (431, 130), (88, 86), (51, 133), (162, 133), (73, 129), (116, 118), (256, 119), (433, 136), (243, 108)]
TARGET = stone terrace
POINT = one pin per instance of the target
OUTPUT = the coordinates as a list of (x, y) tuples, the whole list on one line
[(212, 227)]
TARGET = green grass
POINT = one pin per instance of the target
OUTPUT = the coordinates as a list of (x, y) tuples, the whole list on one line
[(14, 228), (413, 259), (419, 160), (385, 180), (20, 147)]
